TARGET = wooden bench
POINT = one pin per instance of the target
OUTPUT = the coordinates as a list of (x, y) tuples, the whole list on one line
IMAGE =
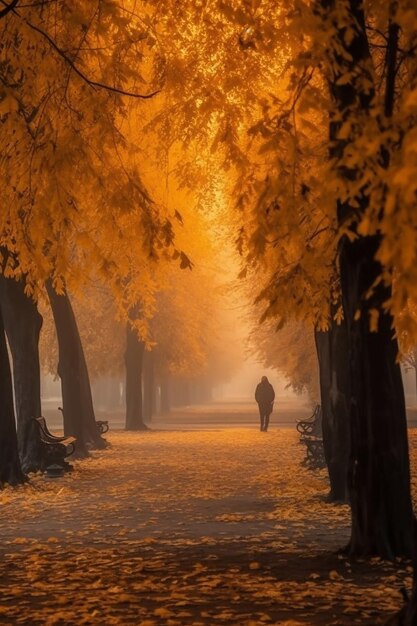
[(314, 458), (311, 436), (54, 449), (311, 426)]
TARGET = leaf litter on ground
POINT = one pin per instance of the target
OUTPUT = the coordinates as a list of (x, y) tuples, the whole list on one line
[(188, 527)]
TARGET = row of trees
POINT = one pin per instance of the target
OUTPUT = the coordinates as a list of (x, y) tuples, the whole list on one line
[(332, 89), (322, 190), (352, 77), (350, 267), (60, 110), (77, 218), (337, 255), (190, 339)]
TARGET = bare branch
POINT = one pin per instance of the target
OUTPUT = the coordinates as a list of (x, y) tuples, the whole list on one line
[(8, 7), (85, 78)]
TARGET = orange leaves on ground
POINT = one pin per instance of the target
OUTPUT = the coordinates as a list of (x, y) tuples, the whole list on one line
[(187, 528)]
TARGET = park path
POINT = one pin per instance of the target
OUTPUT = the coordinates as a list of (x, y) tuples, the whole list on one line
[(187, 527)]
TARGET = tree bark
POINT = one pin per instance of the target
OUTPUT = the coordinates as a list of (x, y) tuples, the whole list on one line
[(78, 410), (22, 322), (332, 353), (134, 368), (415, 370), (10, 468), (380, 478)]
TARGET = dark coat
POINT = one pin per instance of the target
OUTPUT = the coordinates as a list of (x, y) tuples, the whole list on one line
[(265, 394)]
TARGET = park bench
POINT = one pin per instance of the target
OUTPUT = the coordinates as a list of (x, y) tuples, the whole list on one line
[(54, 449), (311, 436), (103, 426), (314, 458), (311, 426)]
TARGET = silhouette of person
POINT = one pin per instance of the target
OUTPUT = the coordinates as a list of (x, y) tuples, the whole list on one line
[(265, 396)]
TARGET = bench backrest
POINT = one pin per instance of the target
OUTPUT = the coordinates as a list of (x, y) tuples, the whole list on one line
[(44, 432), (41, 422), (318, 422)]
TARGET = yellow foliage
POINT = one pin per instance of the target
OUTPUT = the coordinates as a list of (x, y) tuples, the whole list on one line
[(73, 203)]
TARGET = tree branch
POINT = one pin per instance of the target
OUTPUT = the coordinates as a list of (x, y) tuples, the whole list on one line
[(391, 65), (85, 78), (8, 7)]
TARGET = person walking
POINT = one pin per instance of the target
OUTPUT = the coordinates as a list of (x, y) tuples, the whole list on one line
[(265, 396)]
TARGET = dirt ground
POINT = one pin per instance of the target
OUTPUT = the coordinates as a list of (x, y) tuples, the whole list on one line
[(188, 527)]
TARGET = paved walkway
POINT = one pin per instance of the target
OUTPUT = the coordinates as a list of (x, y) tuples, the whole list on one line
[(187, 527)]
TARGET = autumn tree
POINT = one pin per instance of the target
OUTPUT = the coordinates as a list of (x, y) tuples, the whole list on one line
[(363, 97), (70, 191), (363, 194), (10, 467), (377, 409), (255, 158), (335, 82), (338, 86), (22, 332), (188, 336)]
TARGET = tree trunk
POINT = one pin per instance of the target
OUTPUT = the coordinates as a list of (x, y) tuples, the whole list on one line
[(78, 410), (148, 387), (332, 353), (10, 468), (379, 476), (415, 370), (134, 365), (23, 323)]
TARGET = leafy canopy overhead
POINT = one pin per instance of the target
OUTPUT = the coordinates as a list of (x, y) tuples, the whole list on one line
[(73, 201)]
